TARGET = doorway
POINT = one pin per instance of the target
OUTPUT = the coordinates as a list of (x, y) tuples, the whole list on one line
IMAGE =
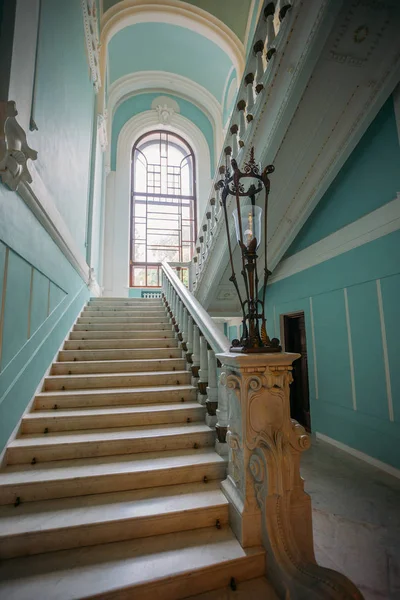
[(294, 335)]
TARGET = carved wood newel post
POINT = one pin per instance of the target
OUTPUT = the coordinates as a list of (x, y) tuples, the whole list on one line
[(266, 495)]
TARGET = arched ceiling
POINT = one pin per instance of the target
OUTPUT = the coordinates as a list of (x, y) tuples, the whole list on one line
[(170, 48), (234, 13)]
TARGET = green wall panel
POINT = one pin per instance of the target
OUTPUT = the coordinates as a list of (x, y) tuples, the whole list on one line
[(16, 310), (39, 303), (369, 371), (390, 299), (56, 296)]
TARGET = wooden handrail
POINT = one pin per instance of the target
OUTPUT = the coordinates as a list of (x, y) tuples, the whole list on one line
[(215, 338)]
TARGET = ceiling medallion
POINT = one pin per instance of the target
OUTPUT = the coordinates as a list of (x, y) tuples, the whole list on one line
[(360, 34)]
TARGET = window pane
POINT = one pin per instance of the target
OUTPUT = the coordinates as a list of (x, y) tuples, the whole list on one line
[(139, 276), (152, 276)]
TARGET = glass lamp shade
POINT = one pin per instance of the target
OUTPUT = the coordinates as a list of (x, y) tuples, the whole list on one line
[(250, 217)]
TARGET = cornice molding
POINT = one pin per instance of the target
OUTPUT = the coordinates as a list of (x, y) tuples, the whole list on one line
[(91, 25), (376, 224), (143, 82), (174, 12)]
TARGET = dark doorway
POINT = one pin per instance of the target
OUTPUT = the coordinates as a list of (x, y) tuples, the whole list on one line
[(295, 341)]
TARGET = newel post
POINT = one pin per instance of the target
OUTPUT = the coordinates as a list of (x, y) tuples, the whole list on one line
[(267, 502)]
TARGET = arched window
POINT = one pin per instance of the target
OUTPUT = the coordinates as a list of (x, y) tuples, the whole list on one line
[(163, 205)]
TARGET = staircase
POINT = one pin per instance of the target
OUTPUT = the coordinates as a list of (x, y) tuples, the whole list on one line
[(112, 487)]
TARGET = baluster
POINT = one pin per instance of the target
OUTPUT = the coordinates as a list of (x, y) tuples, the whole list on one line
[(249, 81), (195, 355), (196, 267), (222, 416), (178, 327), (283, 7), (241, 106), (173, 308), (212, 390), (203, 372), (234, 141), (209, 233), (204, 236), (258, 51), (189, 340), (269, 12), (198, 250), (213, 218), (184, 330)]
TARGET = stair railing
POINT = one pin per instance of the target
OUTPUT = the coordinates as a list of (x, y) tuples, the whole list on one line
[(200, 339)]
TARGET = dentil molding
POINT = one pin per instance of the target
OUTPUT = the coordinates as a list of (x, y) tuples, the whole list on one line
[(91, 26), (14, 149)]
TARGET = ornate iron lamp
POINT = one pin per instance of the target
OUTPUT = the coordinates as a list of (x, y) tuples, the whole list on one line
[(251, 225)]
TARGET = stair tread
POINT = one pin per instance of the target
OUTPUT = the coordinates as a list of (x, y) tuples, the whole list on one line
[(117, 390), (127, 374), (78, 468), (101, 435), (65, 513), (253, 589), (114, 410), (126, 361), (107, 568)]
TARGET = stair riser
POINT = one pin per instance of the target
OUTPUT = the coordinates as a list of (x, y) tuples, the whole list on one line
[(120, 344), (99, 399), (82, 368), (199, 581), (87, 449), (134, 313), (128, 301), (123, 327), (102, 484), (142, 353), (72, 382), (54, 423), (111, 531), (95, 320), (121, 335)]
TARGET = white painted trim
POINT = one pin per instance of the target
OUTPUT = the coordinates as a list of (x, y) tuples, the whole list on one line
[(351, 357), (314, 349), (91, 27), (376, 224), (385, 350), (37, 198), (143, 82), (173, 12), (116, 244), (396, 102), (361, 455), (249, 19)]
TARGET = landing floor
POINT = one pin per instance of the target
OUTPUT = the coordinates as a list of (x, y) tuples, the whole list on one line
[(356, 519)]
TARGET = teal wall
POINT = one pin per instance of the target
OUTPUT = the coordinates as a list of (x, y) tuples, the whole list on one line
[(355, 192), (141, 103), (227, 106), (64, 112), (369, 179), (41, 293), (164, 47)]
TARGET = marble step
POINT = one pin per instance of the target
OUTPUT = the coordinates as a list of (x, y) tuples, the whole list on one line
[(100, 475), (118, 354), (120, 300), (121, 335), (121, 416), (125, 344), (166, 567), (118, 366), (37, 527), (107, 442), (115, 397), (125, 380), (253, 589), (106, 326), (111, 318), (104, 312)]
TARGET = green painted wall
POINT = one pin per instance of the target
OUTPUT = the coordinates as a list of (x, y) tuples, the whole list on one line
[(164, 47), (64, 112), (233, 13), (354, 192), (41, 293), (142, 102), (228, 104), (369, 179)]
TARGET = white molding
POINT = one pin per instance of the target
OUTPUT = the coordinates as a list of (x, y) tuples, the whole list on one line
[(102, 130), (116, 246), (385, 350), (249, 19), (91, 26), (173, 12), (143, 82), (314, 349), (361, 455), (376, 224), (350, 343)]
